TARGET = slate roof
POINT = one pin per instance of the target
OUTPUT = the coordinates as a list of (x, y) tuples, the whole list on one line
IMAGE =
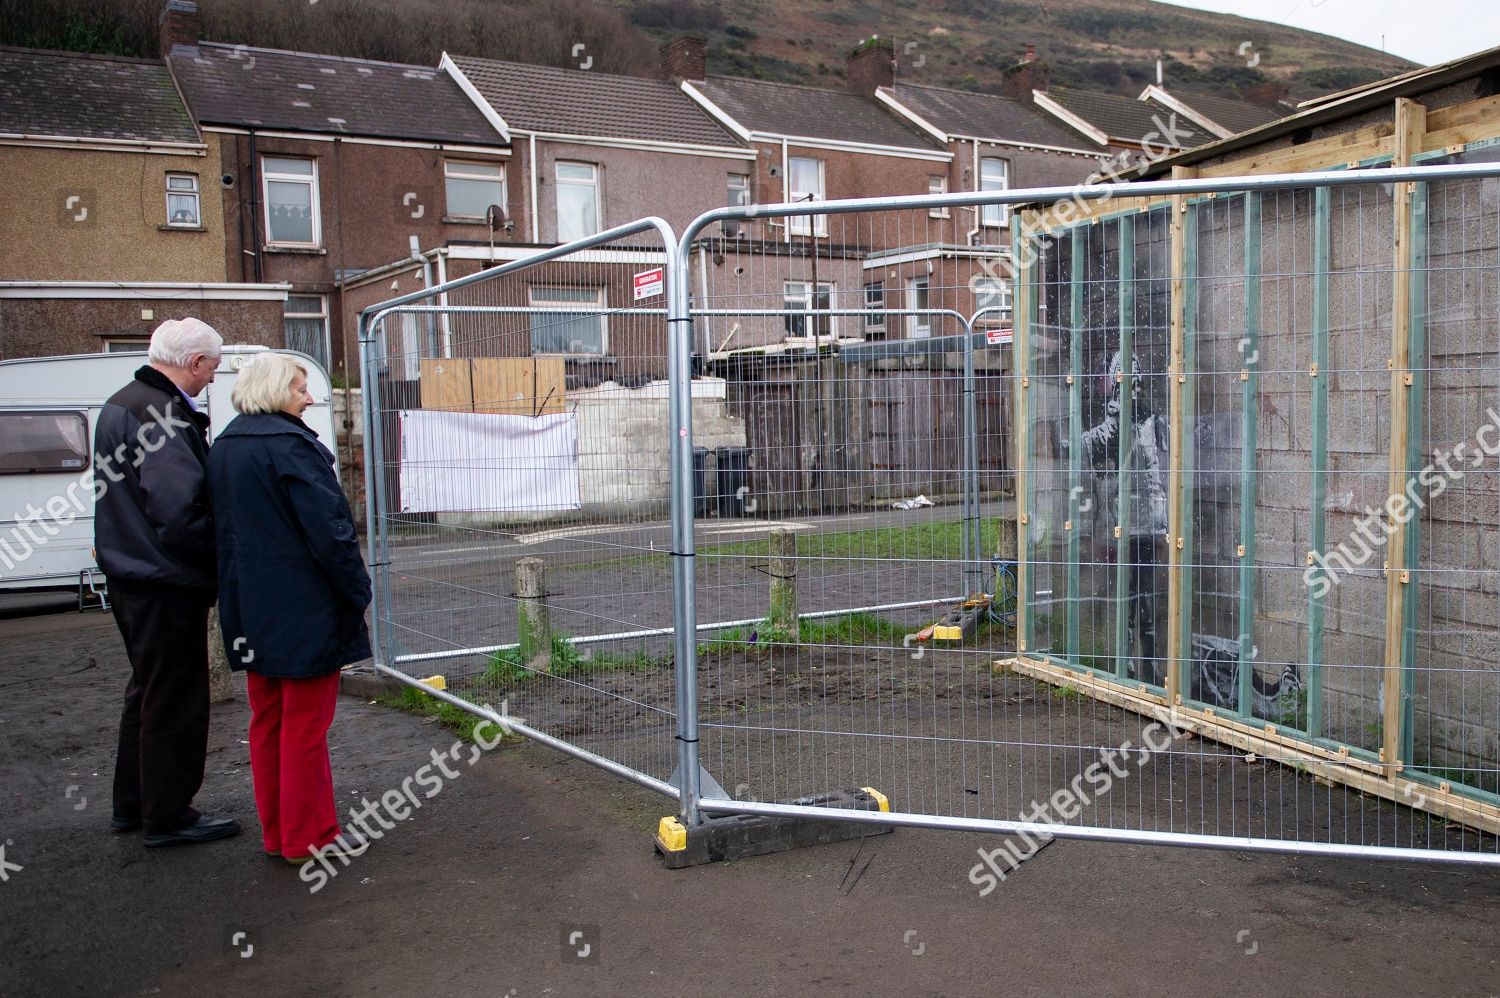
[(302, 92), (1235, 115), (582, 102), (811, 112), (987, 116), (70, 95), (1124, 117)]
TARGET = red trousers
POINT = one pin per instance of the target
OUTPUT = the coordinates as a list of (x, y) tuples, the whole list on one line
[(289, 721)]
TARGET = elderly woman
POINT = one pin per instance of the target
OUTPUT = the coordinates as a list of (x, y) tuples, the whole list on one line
[(292, 596)]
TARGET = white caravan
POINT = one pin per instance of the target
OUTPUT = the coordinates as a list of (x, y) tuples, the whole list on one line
[(48, 409)]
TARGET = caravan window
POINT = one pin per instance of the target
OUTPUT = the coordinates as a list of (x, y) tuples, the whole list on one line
[(32, 442)]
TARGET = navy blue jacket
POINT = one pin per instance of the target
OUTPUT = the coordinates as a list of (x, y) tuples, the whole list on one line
[(292, 585), (152, 528)]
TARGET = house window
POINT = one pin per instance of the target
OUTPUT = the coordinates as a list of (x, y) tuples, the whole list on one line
[(557, 329), (291, 193), (126, 346), (739, 190), (796, 298), (937, 185), (304, 320), (994, 175), (806, 183), (875, 299), (917, 326), (182, 201), (473, 187), (990, 292), (577, 201)]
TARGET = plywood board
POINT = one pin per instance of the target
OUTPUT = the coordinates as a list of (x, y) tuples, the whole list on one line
[(447, 385), (519, 386)]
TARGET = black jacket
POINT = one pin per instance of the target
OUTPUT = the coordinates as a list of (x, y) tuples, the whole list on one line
[(292, 585), (153, 530)]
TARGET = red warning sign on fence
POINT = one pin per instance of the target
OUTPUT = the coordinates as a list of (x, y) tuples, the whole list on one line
[(648, 283), (996, 337)]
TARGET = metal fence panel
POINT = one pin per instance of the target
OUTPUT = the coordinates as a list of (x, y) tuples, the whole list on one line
[(522, 487), (1203, 390)]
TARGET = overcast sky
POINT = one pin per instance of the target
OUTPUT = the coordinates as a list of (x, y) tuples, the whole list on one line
[(1427, 32)]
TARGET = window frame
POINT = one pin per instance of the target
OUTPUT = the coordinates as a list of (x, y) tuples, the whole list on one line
[(137, 344), (731, 188), (875, 320), (594, 184), (503, 201), (267, 177), (85, 459), (327, 359), (807, 300), (918, 327), (941, 183), (807, 225), (196, 193), (600, 312), (994, 216)]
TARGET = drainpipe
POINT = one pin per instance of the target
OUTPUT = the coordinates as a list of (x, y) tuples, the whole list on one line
[(442, 278), (978, 209), (786, 192), (536, 222), (708, 343), (255, 209)]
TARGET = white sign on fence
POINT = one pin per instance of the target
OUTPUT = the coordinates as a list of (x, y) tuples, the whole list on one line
[(648, 283)]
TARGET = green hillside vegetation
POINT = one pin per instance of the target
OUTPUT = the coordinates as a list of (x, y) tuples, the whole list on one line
[(1109, 45)]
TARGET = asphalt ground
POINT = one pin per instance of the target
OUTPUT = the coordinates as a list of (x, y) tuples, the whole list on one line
[(532, 874)]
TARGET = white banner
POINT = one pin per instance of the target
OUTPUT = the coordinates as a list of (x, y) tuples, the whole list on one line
[(465, 461)]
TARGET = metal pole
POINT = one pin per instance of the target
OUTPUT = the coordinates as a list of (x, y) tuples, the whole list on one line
[(1075, 436), (684, 609), (367, 408), (1238, 843), (652, 632), (1250, 401), (1317, 535), (1125, 254), (973, 524)]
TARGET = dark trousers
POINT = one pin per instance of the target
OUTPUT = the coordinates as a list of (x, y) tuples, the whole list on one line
[(164, 727), (1141, 569)]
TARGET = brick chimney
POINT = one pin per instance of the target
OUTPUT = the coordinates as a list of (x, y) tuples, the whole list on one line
[(871, 65), (179, 26), (684, 58), (1025, 76)]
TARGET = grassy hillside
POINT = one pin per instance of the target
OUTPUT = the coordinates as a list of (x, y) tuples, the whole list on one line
[(1104, 44)]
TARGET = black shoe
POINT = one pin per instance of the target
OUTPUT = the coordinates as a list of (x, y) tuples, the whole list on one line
[(205, 829), (123, 825)]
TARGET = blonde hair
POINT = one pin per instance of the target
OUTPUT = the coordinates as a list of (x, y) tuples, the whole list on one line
[(265, 384)]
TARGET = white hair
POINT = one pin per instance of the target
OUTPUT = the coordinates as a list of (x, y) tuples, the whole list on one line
[(265, 384), (176, 341)]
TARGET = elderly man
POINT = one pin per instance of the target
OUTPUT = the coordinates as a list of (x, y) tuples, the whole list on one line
[(154, 539)]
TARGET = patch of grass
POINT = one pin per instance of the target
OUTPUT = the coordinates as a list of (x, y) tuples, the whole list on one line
[(936, 541), (455, 719), (508, 666), (850, 629)]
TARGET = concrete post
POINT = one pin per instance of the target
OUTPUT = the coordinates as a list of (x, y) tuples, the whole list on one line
[(783, 617), (220, 680), (535, 630)]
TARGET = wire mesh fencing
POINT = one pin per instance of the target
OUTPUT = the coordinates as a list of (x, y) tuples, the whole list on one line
[(1203, 398), (1114, 516), (519, 457)]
